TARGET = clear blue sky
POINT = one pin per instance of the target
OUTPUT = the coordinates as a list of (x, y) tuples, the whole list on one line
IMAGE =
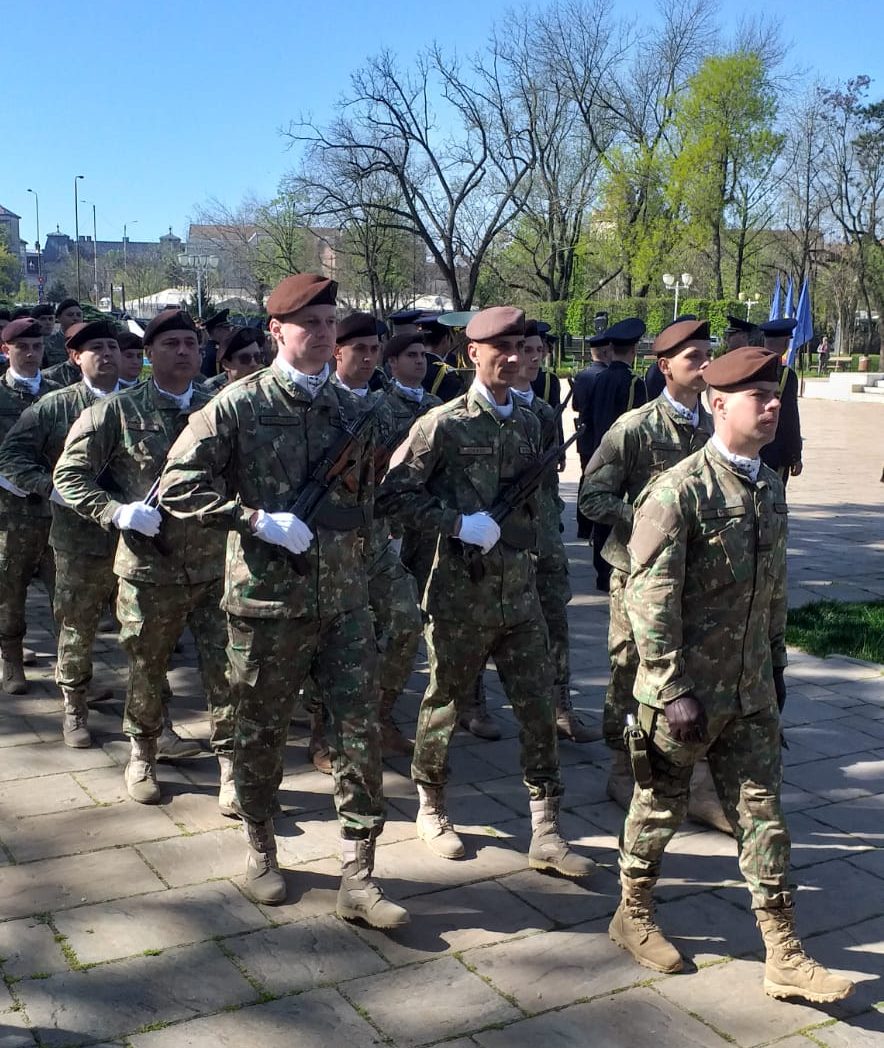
[(162, 105)]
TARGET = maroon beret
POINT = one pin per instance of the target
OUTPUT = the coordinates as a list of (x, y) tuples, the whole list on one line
[(743, 367), (495, 322), (675, 335), (302, 289), (79, 334), (24, 327), (168, 320), (357, 325)]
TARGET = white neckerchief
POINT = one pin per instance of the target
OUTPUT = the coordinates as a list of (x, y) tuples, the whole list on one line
[(311, 384), (96, 392), (690, 416), (181, 399), (526, 395), (127, 383), (748, 467), (501, 410), (32, 385), (410, 392)]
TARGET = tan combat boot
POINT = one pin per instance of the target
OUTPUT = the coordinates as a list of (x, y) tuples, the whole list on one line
[(548, 850), (704, 806), (621, 782), (633, 927), (788, 971), (434, 826), (568, 723), (475, 717), (358, 896), (14, 681), (393, 742), (73, 729), (170, 745), (227, 790), (263, 882), (141, 771), (318, 752)]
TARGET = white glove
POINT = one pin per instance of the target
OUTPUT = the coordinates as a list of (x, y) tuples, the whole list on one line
[(57, 497), (138, 516), (479, 530), (283, 529), (13, 489)]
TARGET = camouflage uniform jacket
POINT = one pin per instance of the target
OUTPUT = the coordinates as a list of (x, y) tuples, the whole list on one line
[(638, 447), (457, 459), (14, 400), (54, 349), (549, 505), (216, 383), (64, 374), (113, 455), (706, 595), (254, 447), (29, 454)]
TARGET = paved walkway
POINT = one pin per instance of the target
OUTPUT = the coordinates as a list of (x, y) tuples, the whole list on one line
[(125, 925)]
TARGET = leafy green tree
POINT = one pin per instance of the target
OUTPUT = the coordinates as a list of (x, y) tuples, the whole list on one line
[(10, 270)]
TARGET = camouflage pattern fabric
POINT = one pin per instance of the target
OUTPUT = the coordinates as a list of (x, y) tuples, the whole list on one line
[(65, 373), (392, 598), (24, 555), (152, 618), (457, 653), (54, 350), (638, 447), (83, 587), (113, 455), (269, 660), (745, 762)]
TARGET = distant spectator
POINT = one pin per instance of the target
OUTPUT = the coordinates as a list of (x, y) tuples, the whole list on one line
[(824, 351)]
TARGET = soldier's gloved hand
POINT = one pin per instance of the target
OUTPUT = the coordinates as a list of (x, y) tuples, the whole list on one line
[(479, 529), (57, 497), (283, 529), (138, 516), (779, 683), (686, 718)]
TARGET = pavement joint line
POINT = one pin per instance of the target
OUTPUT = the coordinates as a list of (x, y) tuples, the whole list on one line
[(155, 872)]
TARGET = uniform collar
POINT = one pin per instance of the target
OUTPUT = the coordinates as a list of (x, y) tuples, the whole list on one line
[(680, 411), (746, 468), (309, 384), (482, 395)]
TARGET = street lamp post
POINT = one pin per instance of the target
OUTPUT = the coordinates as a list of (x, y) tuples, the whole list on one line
[(77, 231), (677, 284), (749, 301), (94, 252), (125, 263), (201, 264), (39, 257)]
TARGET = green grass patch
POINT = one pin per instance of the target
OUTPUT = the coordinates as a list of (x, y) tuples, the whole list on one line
[(827, 627)]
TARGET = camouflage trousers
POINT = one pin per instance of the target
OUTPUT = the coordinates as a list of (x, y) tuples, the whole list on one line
[(745, 761), (457, 653), (25, 553), (619, 700), (392, 599), (554, 591), (83, 587), (152, 618), (270, 659)]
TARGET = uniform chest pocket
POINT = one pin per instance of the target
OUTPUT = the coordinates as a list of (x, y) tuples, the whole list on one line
[(665, 455), (727, 552)]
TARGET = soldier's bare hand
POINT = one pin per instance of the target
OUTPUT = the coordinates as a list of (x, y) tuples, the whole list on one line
[(779, 682), (686, 718), (796, 468)]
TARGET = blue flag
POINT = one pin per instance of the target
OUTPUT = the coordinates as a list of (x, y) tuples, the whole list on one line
[(775, 302), (804, 328), (789, 309)]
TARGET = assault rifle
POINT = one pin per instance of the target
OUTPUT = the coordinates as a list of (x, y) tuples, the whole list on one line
[(135, 539), (337, 461)]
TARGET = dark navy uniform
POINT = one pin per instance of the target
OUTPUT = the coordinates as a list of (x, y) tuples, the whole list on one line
[(654, 381), (584, 384), (785, 449), (616, 391), (442, 380)]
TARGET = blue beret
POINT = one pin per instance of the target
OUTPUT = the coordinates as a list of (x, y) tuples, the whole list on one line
[(779, 328), (624, 333), (406, 316)]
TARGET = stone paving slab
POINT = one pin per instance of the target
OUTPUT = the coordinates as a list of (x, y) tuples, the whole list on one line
[(197, 857), (55, 793), (28, 947), (24, 762)]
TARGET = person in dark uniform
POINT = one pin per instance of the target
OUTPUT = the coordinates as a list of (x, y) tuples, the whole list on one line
[(218, 328), (783, 454), (616, 390), (738, 333), (442, 378), (584, 381)]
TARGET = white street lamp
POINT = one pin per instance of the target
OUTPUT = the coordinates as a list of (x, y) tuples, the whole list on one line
[(677, 284), (749, 301)]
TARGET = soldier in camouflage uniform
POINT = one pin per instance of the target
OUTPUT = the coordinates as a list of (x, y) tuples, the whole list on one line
[(239, 355), (239, 467), (67, 313), (24, 517), (481, 597), (638, 447), (83, 551), (169, 571), (707, 599)]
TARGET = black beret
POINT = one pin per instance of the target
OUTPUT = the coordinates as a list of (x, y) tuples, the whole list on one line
[(66, 303), (79, 334), (736, 324), (129, 340), (779, 328), (742, 367), (239, 338), (217, 318), (43, 310), (675, 335), (24, 327), (356, 325), (399, 343), (301, 290), (168, 320), (22, 311)]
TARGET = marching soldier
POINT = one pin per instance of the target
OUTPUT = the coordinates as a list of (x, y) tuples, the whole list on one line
[(24, 518), (169, 571), (296, 593), (481, 597), (131, 359), (240, 354), (707, 600)]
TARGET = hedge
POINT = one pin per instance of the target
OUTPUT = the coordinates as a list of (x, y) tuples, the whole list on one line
[(575, 316)]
